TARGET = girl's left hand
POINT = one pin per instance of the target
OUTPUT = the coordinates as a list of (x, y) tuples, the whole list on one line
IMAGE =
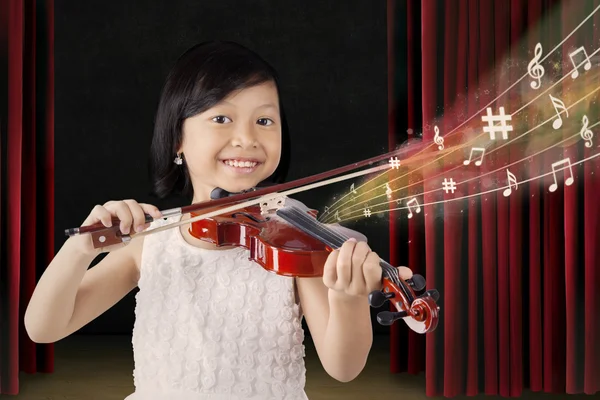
[(354, 270)]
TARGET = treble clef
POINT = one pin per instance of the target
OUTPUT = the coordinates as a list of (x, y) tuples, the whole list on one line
[(438, 139), (536, 71), (586, 133)]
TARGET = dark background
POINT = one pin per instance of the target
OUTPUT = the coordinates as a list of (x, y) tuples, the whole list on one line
[(111, 59)]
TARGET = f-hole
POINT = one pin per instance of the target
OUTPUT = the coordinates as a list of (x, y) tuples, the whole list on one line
[(249, 216)]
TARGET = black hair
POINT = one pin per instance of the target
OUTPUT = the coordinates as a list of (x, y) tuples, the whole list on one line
[(202, 77)]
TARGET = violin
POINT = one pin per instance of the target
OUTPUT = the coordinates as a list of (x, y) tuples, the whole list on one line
[(284, 237)]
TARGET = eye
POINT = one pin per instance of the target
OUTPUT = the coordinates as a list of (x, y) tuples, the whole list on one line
[(221, 119), (265, 121)]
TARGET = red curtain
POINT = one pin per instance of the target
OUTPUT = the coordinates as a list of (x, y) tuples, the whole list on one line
[(519, 276), (26, 178)]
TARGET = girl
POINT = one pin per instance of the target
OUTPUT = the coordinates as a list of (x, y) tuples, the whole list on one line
[(210, 324)]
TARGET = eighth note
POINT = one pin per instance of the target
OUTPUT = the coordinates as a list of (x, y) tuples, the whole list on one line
[(588, 63), (478, 162), (536, 71), (568, 181), (512, 179), (438, 139), (586, 133), (353, 191), (417, 207), (558, 104)]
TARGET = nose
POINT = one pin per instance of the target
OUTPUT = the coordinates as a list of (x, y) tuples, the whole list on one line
[(244, 136)]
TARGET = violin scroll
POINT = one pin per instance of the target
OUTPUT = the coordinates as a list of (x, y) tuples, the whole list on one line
[(420, 313)]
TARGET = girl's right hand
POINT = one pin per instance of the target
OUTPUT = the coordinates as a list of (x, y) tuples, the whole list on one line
[(131, 216)]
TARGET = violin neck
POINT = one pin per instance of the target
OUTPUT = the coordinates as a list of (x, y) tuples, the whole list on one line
[(309, 224), (332, 238)]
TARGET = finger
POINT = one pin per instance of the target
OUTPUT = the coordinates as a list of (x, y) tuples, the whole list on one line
[(329, 269), (151, 210), (359, 256), (101, 214), (122, 211), (344, 264), (405, 273), (139, 218), (373, 272)]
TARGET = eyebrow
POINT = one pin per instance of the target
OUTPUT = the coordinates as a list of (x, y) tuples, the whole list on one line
[(266, 105)]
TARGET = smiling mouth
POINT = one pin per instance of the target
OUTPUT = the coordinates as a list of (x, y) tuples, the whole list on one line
[(241, 166), (241, 163)]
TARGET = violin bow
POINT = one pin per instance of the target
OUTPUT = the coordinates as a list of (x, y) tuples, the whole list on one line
[(103, 236)]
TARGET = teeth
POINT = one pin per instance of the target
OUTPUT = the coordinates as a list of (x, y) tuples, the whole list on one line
[(240, 164)]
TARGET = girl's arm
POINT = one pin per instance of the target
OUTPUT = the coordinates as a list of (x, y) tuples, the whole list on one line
[(69, 295), (339, 326), (337, 310)]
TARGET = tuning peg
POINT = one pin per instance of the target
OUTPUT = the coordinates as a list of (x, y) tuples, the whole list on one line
[(417, 282), (389, 317), (377, 298), (433, 293)]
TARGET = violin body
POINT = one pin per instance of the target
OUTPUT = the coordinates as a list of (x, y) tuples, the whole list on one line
[(273, 243)]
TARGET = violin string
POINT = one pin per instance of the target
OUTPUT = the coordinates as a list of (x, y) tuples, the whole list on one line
[(331, 210)]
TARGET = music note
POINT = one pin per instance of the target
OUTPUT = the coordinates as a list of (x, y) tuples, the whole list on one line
[(536, 71), (337, 216), (568, 181), (388, 191), (558, 104), (588, 63), (438, 139), (417, 207), (478, 162), (512, 179), (585, 133), (353, 191), (326, 210)]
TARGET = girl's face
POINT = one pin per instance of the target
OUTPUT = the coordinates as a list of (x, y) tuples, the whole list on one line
[(235, 144)]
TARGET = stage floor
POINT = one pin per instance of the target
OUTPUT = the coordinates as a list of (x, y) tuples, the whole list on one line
[(100, 368)]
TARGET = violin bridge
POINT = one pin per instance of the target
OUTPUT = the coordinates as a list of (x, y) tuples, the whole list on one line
[(271, 204)]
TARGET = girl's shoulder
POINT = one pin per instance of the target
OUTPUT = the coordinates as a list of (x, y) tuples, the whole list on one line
[(152, 240)]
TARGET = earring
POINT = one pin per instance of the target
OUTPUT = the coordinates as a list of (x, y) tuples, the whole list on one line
[(178, 160)]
